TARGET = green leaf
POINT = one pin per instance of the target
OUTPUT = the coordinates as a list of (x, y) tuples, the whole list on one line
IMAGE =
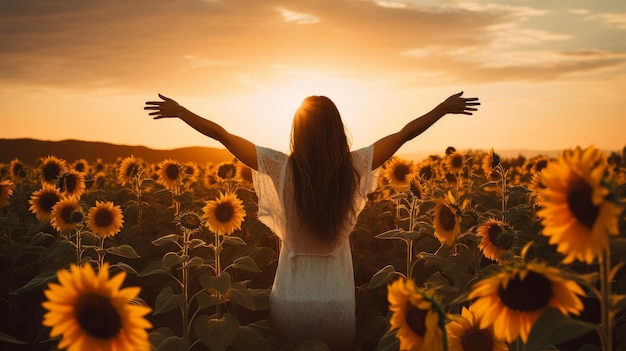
[(221, 283), (441, 262), (217, 334), (246, 263), (240, 295), (125, 267), (389, 342), (123, 251), (153, 268), (553, 327), (43, 278), (166, 239), (193, 243), (251, 336), (382, 277), (234, 240), (171, 259), (8, 338), (167, 301), (163, 339), (195, 262)]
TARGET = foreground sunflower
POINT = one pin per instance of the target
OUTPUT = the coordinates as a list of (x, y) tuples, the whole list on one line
[(446, 220), (224, 214), (66, 214), (416, 316), (577, 210), (496, 238), (399, 172), (6, 191), (42, 201), (515, 298), (105, 219), (170, 175), (465, 334), (90, 311), (226, 171), (130, 168), (51, 169)]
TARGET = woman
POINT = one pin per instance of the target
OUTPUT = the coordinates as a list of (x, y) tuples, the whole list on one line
[(311, 199)]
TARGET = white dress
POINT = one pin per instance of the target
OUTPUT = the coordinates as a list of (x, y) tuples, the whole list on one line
[(313, 293)]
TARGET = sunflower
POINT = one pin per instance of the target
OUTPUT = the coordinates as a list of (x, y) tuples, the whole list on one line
[(224, 214), (190, 221), (51, 169), (90, 311), (130, 168), (465, 334), (72, 183), (416, 315), (398, 173), (6, 191), (226, 171), (42, 201), (515, 298), (447, 220), (105, 219), (496, 238), (577, 211), (170, 175), (454, 162), (490, 162), (191, 171), (81, 166), (244, 173), (425, 171), (17, 170), (66, 214), (416, 188)]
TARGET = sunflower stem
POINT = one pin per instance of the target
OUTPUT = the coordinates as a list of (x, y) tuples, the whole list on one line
[(606, 328), (218, 271), (185, 278)]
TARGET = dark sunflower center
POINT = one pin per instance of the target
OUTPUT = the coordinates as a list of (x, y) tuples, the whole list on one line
[(224, 212), (526, 295), (579, 201), (97, 316), (495, 160), (172, 172), (416, 319), (400, 172), (501, 239), (226, 171), (540, 165), (190, 221), (447, 219), (103, 218), (51, 171), (47, 200), (66, 214), (131, 170), (70, 183), (476, 339), (80, 167), (426, 172), (77, 217), (17, 169), (457, 161)]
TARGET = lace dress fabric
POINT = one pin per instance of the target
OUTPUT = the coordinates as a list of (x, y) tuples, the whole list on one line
[(313, 293)]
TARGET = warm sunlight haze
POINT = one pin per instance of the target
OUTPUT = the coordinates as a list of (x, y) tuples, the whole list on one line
[(549, 75)]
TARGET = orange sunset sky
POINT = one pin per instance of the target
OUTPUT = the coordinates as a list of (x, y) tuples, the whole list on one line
[(550, 74)]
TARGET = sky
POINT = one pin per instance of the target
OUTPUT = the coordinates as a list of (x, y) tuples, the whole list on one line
[(549, 74)]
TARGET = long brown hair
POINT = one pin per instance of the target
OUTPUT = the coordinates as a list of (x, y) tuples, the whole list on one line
[(324, 177)]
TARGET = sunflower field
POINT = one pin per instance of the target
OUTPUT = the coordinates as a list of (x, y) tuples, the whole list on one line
[(459, 251)]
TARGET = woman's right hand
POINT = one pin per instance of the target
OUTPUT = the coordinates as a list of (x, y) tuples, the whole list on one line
[(168, 108), (459, 105)]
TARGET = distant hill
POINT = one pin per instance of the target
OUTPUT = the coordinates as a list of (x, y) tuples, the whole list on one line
[(29, 150)]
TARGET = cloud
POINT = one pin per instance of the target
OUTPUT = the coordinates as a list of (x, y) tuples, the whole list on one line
[(221, 46)]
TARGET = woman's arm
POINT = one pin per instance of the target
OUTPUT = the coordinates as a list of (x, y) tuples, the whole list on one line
[(387, 146), (242, 149)]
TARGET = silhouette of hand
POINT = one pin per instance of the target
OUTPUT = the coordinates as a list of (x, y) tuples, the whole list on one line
[(168, 108), (459, 105)]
